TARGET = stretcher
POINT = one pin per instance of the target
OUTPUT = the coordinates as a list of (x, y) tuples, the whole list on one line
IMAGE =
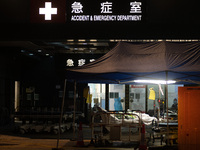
[(160, 132)]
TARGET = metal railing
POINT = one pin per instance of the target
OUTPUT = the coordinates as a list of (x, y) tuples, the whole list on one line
[(116, 119)]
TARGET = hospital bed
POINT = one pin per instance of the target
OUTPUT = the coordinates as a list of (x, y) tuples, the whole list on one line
[(115, 121)]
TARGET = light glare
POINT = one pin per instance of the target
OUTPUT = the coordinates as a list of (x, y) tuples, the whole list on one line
[(155, 81)]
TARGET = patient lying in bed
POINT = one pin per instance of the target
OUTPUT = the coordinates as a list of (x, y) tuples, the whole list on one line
[(128, 118)]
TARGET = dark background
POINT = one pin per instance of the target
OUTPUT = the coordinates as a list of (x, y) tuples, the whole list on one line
[(162, 19)]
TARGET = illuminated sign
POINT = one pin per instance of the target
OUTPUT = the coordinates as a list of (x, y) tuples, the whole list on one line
[(62, 11), (70, 62), (105, 11), (77, 7), (106, 7), (81, 62), (48, 11)]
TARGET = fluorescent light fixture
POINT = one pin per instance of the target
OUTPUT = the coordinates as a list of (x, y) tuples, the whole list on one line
[(81, 40), (47, 54), (195, 40), (93, 48), (39, 50), (31, 54), (22, 51), (93, 40), (155, 81), (70, 40)]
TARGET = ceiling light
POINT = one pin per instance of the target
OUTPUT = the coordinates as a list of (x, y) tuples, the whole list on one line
[(47, 54), (93, 48), (155, 81), (39, 50), (70, 40), (81, 40), (31, 54), (195, 40), (93, 40), (22, 51)]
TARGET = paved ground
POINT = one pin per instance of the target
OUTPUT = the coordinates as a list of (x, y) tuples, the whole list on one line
[(10, 140)]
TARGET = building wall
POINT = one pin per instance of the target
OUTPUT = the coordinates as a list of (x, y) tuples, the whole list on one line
[(7, 74)]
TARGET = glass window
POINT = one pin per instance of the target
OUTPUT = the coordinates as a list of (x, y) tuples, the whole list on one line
[(161, 95), (116, 97), (137, 97), (98, 94), (173, 96)]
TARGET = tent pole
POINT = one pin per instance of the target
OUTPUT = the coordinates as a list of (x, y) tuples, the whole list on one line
[(146, 100), (74, 115), (61, 113), (154, 109), (158, 106), (166, 88)]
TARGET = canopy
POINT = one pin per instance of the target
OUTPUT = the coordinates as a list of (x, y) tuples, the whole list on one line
[(138, 61)]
